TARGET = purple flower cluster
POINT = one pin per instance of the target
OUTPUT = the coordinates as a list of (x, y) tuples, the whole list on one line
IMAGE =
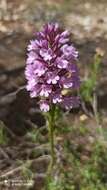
[(51, 68)]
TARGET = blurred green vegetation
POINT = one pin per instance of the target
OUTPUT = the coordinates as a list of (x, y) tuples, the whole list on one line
[(81, 170), (3, 134)]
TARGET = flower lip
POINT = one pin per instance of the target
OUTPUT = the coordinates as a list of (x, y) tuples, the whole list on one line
[(61, 63), (56, 97), (44, 106), (52, 78), (46, 54), (69, 51), (39, 68), (45, 90), (70, 102)]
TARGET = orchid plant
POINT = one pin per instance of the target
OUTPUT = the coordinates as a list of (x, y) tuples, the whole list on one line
[(50, 69)]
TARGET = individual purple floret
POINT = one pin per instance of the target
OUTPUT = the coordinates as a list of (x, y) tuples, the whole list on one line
[(51, 68)]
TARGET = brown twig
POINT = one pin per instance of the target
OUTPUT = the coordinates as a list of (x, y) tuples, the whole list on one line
[(4, 153), (8, 98), (19, 168)]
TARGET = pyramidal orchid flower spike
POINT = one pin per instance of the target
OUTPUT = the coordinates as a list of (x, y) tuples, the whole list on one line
[(51, 68)]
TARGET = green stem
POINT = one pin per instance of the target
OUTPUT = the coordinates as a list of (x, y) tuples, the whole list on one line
[(94, 103), (51, 135)]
